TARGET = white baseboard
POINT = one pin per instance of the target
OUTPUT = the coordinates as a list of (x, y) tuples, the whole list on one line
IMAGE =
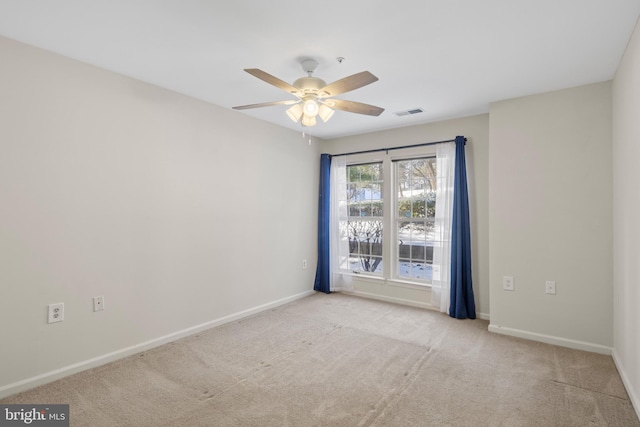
[(633, 395), (386, 298), (483, 316), (550, 339), (403, 301), (48, 377)]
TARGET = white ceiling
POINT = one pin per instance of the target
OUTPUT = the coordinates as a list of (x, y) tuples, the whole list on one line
[(448, 57)]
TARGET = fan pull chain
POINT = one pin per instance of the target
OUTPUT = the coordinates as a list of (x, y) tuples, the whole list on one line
[(304, 135)]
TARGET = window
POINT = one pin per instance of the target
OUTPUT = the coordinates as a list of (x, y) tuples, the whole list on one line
[(365, 217), (390, 228), (415, 209)]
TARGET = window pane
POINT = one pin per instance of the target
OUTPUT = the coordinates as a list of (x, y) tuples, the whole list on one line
[(375, 191), (404, 232), (415, 201), (377, 209), (430, 205), (352, 191), (365, 245), (417, 206), (364, 227), (404, 208)]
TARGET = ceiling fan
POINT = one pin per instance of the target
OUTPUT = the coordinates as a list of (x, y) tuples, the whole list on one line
[(313, 95)]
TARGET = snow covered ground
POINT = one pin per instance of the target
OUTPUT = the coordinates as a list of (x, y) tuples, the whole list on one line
[(406, 270)]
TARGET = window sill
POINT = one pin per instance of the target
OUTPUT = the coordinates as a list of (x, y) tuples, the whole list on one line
[(392, 282), (368, 277), (408, 284)]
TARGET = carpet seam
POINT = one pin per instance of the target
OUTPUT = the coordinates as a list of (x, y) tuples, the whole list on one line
[(590, 390), (392, 398)]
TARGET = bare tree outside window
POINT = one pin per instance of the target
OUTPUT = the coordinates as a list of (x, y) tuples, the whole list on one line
[(365, 243), (365, 205), (415, 216)]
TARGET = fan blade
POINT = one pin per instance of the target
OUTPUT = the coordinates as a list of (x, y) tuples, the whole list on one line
[(266, 104), (272, 80), (354, 107), (347, 84)]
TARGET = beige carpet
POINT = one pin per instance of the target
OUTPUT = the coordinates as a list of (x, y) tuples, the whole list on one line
[(336, 360)]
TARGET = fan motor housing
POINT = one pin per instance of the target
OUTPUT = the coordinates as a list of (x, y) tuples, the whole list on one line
[(309, 84)]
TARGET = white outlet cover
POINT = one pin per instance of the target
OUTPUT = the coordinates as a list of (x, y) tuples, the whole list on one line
[(56, 313), (507, 283)]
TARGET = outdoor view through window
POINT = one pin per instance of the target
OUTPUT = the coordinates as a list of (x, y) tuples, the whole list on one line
[(365, 205), (412, 223)]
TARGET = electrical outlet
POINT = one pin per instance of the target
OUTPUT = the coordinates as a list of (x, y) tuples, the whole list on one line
[(507, 283), (550, 287), (98, 303), (304, 263), (56, 313)]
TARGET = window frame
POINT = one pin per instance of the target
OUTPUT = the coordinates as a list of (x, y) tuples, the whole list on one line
[(390, 257)]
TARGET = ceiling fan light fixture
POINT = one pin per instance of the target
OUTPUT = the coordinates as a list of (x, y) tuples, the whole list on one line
[(295, 112), (325, 113), (308, 120), (310, 107)]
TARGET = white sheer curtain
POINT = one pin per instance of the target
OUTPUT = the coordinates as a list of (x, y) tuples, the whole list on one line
[(339, 239), (445, 163)]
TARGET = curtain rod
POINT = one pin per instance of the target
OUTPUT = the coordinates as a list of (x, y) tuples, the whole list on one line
[(393, 148)]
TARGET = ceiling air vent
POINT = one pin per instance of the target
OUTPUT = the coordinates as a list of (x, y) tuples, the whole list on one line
[(409, 112)]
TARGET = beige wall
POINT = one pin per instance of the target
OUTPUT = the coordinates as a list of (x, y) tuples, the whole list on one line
[(178, 212), (626, 218), (550, 187), (476, 129)]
